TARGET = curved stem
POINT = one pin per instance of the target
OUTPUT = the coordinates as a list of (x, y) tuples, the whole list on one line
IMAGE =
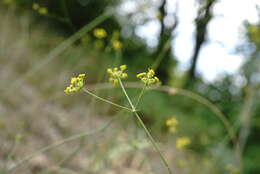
[(200, 99), (174, 91)]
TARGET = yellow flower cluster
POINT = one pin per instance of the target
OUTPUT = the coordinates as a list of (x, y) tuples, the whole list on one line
[(149, 77), (117, 73), (40, 10), (117, 45), (100, 33), (182, 142), (76, 83), (171, 124)]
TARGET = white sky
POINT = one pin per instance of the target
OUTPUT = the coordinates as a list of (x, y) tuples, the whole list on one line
[(224, 32)]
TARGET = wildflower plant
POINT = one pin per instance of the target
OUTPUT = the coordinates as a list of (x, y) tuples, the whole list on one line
[(116, 75)]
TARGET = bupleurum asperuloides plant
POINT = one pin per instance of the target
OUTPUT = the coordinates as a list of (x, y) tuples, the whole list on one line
[(116, 75)]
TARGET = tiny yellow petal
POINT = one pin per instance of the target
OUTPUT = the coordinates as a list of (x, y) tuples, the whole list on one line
[(109, 71), (124, 75), (172, 122), (82, 75), (123, 67), (141, 75), (150, 73), (156, 79)]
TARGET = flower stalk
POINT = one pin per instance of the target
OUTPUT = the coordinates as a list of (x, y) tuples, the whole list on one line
[(145, 128)]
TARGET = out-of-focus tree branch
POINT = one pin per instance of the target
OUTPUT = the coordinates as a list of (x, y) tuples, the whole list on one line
[(165, 64), (204, 16)]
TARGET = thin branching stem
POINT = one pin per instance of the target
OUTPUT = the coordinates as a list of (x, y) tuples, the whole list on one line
[(140, 95), (177, 91), (145, 128), (105, 100)]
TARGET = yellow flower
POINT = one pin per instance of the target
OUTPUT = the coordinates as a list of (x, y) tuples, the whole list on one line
[(35, 6), (116, 74), (117, 45), (76, 83), (172, 122), (100, 33), (182, 142), (43, 11), (123, 67), (148, 78)]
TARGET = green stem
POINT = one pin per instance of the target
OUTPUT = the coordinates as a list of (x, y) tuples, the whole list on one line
[(140, 96), (107, 101), (145, 128), (46, 148)]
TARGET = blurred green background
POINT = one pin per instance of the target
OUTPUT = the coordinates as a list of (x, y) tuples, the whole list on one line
[(43, 43)]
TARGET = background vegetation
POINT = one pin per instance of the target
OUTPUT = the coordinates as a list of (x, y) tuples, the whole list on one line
[(44, 43)]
